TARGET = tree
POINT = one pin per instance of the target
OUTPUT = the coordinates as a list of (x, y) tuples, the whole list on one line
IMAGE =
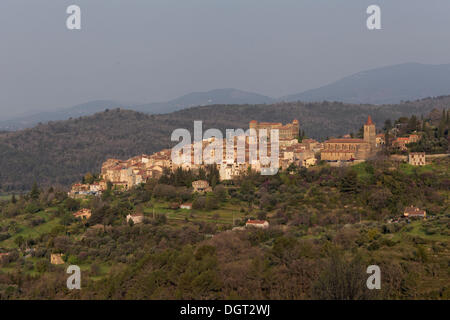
[(387, 125), (71, 204), (34, 193), (342, 280), (349, 183), (89, 178)]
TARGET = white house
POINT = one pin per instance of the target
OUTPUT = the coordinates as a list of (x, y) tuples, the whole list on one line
[(263, 224), (136, 218), (186, 205)]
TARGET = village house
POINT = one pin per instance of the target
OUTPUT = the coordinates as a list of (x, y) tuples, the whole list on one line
[(201, 186), (136, 218), (83, 214), (380, 139), (3, 254), (56, 258), (187, 206), (414, 212), (310, 144), (95, 187), (401, 142), (263, 224), (79, 190), (287, 132), (417, 158), (309, 162)]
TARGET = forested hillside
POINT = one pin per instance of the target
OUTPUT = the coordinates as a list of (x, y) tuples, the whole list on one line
[(326, 225), (59, 153)]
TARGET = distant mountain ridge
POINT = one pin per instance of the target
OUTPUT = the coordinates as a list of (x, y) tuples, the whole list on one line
[(218, 96), (386, 85), (80, 110), (392, 84), (194, 99)]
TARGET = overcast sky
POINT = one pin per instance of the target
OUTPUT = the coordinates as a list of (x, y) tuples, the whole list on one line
[(155, 50)]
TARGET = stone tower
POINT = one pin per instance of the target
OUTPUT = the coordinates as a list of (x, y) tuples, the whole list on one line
[(295, 129), (370, 133)]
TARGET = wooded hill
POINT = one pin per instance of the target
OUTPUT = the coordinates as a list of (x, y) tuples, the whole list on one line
[(59, 153)]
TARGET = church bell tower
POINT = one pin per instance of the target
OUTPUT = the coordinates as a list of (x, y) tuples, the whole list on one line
[(370, 133)]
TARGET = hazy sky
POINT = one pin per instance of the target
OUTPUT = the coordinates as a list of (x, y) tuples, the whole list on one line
[(155, 50)]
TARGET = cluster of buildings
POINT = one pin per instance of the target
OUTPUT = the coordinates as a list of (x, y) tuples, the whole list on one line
[(401, 142), (350, 149), (128, 173), (80, 190)]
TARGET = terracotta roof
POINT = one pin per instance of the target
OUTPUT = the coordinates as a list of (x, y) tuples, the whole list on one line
[(187, 204), (256, 221), (369, 121), (345, 141), (82, 212), (414, 211), (271, 123)]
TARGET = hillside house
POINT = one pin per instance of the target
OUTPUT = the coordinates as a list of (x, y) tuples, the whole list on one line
[(263, 224), (201, 186), (3, 254), (309, 162), (401, 142), (414, 212), (83, 214), (417, 158), (380, 139), (136, 218), (56, 258), (187, 206)]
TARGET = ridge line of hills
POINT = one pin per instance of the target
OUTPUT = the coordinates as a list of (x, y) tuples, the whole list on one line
[(379, 86)]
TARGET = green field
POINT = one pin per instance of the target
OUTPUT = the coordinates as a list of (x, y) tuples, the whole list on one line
[(225, 215), (27, 231), (5, 196)]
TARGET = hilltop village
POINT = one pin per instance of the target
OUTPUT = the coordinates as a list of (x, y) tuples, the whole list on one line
[(302, 152), (293, 150)]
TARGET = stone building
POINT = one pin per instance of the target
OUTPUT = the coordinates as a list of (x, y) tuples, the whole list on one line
[(401, 142), (414, 212), (417, 158), (348, 149), (201, 186), (286, 132), (263, 224), (83, 214), (56, 258), (136, 218)]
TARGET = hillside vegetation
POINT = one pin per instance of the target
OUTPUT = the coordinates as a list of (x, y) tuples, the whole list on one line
[(326, 226)]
